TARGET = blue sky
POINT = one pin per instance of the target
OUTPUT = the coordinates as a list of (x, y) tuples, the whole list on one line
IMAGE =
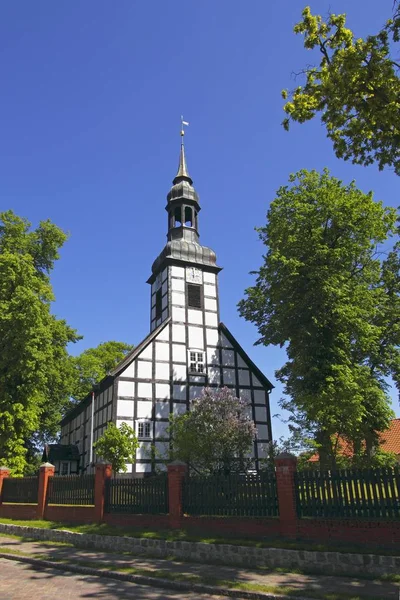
[(91, 97)]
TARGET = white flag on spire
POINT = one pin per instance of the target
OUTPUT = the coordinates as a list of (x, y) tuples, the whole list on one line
[(185, 122)]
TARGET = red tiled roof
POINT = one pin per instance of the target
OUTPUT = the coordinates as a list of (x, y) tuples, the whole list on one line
[(390, 441)]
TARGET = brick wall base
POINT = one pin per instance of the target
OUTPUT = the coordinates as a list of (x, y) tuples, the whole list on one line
[(70, 514), (18, 511), (151, 521), (377, 533), (233, 526)]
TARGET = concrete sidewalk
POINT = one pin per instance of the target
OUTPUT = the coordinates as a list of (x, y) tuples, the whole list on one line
[(314, 585)]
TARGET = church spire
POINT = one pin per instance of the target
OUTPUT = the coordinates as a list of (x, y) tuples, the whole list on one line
[(183, 172)]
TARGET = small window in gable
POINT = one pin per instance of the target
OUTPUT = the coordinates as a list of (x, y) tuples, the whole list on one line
[(194, 295), (196, 362), (144, 429), (158, 304)]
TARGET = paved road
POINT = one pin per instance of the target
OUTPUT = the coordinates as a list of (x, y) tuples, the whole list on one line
[(19, 581)]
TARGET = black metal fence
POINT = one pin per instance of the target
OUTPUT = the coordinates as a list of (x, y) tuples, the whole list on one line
[(71, 489), (20, 490), (137, 496), (234, 495), (359, 493)]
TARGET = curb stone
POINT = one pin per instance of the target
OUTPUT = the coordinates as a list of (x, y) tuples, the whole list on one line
[(149, 581)]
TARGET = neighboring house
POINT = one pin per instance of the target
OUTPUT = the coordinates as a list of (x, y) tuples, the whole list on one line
[(65, 458), (389, 442), (187, 348)]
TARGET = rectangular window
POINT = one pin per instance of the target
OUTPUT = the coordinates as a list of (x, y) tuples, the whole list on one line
[(144, 429), (196, 361), (158, 304), (64, 468), (194, 295)]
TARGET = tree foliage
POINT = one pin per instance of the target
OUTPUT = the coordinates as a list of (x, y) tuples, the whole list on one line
[(324, 294), (117, 446), (93, 364), (35, 371), (215, 436), (356, 87)]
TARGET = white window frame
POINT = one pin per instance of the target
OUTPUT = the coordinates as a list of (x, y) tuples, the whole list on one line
[(196, 361), (146, 429)]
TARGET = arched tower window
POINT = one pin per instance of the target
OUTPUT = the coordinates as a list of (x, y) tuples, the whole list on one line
[(188, 216), (178, 216)]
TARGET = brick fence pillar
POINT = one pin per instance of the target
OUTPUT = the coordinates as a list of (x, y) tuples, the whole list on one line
[(285, 464), (176, 472), (46, 470), (102, 473), (4, 473)]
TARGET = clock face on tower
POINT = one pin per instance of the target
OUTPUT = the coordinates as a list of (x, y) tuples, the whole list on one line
[(194, 275)]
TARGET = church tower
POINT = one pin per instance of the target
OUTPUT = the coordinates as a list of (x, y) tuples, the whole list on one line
[(187, 348)]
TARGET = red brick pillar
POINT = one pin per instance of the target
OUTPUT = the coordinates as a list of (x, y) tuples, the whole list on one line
[(176, 472), (4, 473), (103, 472), (46, 470), (285, 464)]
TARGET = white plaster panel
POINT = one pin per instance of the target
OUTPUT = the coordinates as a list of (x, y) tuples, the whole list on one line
[(228, 358), (179, 353), (129, 371), (178, 314), (261, 413), (249, 411), (162, 451), (145, 390), (241, 362), (125, 408), (144, 369), (229, 376), (162, 351), (144, 409), (128, 467), (164, 314), (212, 356), (147, 352), (177, 285), (178, 333), (210, 290), (162, 370), (196, 338), (161, 429), (214, 375), (259, 396), (118, 424), (211, 319), (163, 335), (179, 392), (195, 316), (195, 391), (162, 410), (179, 372), (126, 388), (212, 336), (256, 382), (262, 431), (164, 274), (178, 299), (244, 377), (162, 391), (153, 313), (144, 451), (179, 409), (225, 343), (164, 302), (109, 409), (177, 271), (209, 277), (262, 450), (245, 394), (143, 468), (210, 304), (164, 288)]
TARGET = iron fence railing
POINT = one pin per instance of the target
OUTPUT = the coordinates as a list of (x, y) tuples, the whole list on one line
[(20, 490), (71, 489), (137, 496)]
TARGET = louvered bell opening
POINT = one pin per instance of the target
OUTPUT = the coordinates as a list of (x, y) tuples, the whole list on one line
[(194, 295)]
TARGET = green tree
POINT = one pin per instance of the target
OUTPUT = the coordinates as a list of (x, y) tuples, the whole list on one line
[(94, 363), (215, 436), (355, 87), (324, 294), (35, 370), (117, 446)]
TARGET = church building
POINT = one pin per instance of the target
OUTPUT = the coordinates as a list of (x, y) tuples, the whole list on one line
[(188, 348)]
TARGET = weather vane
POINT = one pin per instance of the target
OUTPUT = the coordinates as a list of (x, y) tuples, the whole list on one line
[(183, 124)]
